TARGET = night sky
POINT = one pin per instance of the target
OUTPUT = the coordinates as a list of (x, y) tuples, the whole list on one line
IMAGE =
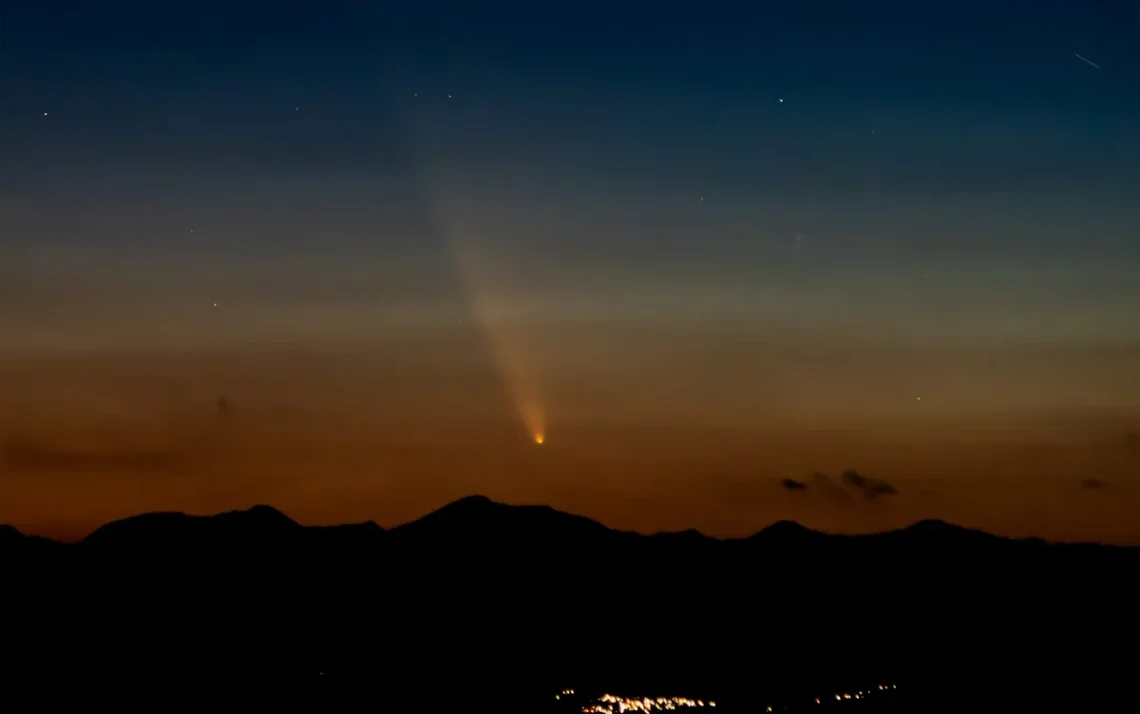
[(699, 248)]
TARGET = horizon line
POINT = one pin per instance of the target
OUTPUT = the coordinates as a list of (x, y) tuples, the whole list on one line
[(493, 502)]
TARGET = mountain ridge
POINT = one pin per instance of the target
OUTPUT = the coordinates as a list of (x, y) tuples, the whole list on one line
[(489, 597), (479, 511)]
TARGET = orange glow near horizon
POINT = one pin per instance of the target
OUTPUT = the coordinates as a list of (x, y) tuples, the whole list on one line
[(721, 390)]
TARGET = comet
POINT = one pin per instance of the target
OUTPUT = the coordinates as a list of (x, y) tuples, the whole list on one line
[(500, 327), (495, 313)]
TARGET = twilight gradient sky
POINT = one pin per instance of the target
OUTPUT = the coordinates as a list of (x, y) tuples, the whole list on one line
[(702, 247)]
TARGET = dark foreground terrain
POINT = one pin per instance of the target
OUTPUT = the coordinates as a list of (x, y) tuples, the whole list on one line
[(481, 606)]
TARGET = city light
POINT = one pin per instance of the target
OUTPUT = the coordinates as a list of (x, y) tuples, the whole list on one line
[(608, 703), (613, 704)]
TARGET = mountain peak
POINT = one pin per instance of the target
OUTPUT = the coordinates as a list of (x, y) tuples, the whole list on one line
[(264, 515), (932, 524), (786, 531), (176, 526), (934, 530), (474, 501), (687, 534), (935, 527), (479, 516)]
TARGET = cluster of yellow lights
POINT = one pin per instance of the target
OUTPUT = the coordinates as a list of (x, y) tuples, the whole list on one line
[(863, 694), (609, 703)]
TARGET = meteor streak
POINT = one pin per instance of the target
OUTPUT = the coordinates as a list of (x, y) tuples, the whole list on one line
[(1088, 62)]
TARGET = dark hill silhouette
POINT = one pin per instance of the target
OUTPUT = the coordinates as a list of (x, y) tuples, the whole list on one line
[(477, 519), (935, 532), (690, 536), (787, 533), (348, 531), (9, 534), (259, 519), (479, 597)]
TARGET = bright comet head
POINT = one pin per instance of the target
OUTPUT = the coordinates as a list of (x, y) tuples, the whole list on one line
[(539, 438)]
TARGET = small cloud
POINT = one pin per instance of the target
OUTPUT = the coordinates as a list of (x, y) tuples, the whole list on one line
[(1093, 484), (870, 488), (854, 478), (824, 485)]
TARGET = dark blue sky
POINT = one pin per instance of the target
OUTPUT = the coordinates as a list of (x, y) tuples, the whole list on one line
[(663, 145), (188, 76), (922, 134)]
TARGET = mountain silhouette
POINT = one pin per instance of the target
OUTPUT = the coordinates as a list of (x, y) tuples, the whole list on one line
[(156, 531), (689, 537), (481, 602), (787, 533), (935, 532), (478, 521), (10, 534)]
